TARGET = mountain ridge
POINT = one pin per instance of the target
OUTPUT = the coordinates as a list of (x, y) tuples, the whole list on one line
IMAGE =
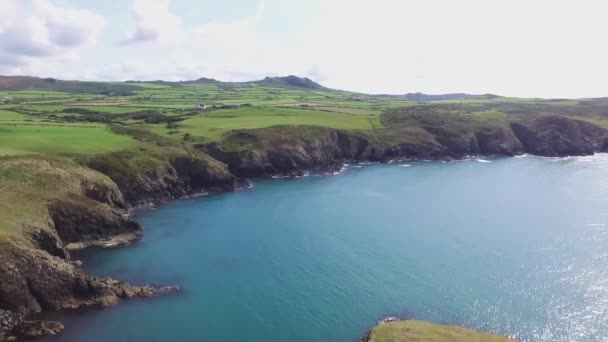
[(24, 82)]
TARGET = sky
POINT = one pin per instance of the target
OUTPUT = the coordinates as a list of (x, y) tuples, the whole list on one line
[(527, 48)]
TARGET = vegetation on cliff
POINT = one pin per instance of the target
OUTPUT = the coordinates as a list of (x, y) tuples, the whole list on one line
[(402, 331)]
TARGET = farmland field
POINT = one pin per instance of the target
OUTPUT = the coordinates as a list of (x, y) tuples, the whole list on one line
[(69, 117), (60, 139), (213, 124)]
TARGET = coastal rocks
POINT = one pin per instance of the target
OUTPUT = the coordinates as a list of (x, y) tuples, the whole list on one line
[(408, 134), (460, 131), (36, 273), (146, 179), (561, 136), (114, 241), (32, 329), (8, 321), (202, 173), (86, 222), (142, 179), (286, 150), (50, 242), (125, 290), (32, 281), (498, 140), (294, 151), (103, 193)]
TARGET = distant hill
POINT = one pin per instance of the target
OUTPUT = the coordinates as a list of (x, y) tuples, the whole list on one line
[(438, 97), (442, 97), (204, 80), (290, 81), (8, 83)]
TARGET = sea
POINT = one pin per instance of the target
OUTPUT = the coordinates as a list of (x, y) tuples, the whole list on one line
[(512, 246)]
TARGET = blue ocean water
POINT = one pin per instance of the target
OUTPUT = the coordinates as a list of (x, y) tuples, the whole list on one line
[(516, 246)]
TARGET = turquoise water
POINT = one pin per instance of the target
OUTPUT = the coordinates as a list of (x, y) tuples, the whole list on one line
[(516, 246)]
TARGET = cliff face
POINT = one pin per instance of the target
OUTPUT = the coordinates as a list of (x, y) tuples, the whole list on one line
[(33, 280), (82, 222), (288, 150), (288, 153), (143, 179), (561, 136), (84, 208)]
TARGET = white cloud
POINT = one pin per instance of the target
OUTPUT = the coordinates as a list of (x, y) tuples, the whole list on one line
[(44, 32), (550, 48), (521, 48), (230, 50), (154, 22), (68, 27)]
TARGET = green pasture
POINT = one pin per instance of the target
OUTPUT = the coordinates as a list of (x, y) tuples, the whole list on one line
[(17, 139), (45, 108), (211, 125)]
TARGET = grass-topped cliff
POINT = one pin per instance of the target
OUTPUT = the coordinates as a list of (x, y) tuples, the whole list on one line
[(409, 331), (75, 157)]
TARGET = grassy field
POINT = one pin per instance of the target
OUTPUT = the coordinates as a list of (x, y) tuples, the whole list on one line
[(26, 184), (7, 116), (107, 108), (64, 112), (60, 139), (212, 125), (408, 331)]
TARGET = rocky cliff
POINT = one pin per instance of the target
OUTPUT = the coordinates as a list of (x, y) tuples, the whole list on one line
[(145, 179), (286, 150), (71, 205), (556, 136), (294, 150)]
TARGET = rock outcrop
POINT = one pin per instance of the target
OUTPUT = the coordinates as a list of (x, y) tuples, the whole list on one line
[(148, 179), (288, 152), (87, 208), (294, 150), (32, 329), (556, 136), (33, 280), (82, 222)]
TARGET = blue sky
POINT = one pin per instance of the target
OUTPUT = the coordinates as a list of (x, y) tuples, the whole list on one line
[(540, 48)]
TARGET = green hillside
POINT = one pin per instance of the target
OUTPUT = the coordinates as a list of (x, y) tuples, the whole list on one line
[(49, 116)]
